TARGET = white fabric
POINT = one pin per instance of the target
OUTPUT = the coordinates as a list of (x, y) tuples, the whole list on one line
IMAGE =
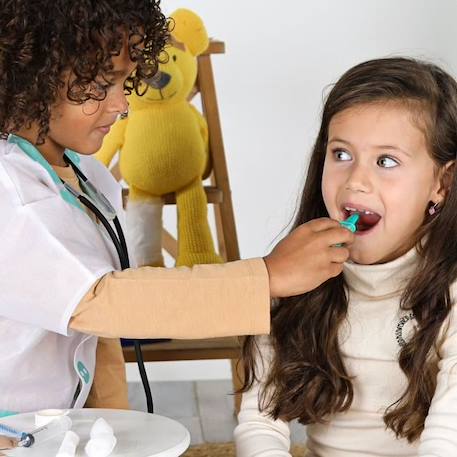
[(144, 232), (370, 353), (51, 253), (102, 440), (45, 416), (55, 429), (69, 444), (257, 434)]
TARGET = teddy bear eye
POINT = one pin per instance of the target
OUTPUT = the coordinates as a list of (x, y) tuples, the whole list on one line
[(174, 58)]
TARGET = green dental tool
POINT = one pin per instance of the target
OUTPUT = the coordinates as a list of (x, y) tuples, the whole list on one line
[(351, 224)]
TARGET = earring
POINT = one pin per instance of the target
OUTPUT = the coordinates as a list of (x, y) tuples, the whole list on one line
[(433, 209)]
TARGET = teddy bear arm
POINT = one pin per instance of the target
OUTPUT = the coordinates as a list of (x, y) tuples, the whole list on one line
[(112, 142), (203, 127), (201, 121)]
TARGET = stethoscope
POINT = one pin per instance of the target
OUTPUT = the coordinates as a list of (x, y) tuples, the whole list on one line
[(100, 206)]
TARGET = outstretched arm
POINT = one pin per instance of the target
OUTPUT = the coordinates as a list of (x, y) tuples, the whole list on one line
[(200, 302), (212, 300)]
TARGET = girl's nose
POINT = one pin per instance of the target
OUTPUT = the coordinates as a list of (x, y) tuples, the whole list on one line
[(359, 180)]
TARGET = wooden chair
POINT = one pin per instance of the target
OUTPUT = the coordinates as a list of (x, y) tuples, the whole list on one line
[(219, 195)]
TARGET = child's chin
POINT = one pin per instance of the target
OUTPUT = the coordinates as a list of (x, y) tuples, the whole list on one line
[(363, 257), (89, 149)]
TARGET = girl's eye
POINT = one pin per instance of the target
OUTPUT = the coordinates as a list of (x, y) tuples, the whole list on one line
[(342, 155), (387, 162)]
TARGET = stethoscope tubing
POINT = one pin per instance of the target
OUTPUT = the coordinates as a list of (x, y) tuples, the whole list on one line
[(120, 244), (123, 258)]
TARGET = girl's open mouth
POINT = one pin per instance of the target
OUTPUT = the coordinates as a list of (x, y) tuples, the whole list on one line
[(368, 219)]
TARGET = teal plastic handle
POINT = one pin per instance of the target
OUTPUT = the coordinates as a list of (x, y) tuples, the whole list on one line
[(351, 222), (4, 413)]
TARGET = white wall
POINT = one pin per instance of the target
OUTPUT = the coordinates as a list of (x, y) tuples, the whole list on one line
[(280, 56)]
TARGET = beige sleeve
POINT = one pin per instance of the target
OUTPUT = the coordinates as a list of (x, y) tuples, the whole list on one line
[(257, 434), (109, 389), (200, 302)]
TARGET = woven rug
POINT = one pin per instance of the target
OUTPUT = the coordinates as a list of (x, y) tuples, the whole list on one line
[(228, 450)]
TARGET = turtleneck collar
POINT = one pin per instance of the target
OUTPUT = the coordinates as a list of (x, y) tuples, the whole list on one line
[(382, 280)]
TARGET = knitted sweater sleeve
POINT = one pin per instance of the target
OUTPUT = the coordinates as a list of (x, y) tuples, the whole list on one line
[(439, 438), (257, 434)]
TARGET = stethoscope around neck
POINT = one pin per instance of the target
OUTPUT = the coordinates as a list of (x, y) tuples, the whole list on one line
[(91, 198), (100, 206)]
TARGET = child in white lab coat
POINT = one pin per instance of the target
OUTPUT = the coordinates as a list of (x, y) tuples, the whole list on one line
[(65, 68)]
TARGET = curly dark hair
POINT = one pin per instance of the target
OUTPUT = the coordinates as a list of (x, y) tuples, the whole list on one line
[(41, 39)]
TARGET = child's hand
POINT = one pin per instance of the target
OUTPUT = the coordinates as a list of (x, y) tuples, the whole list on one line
[(307, 257)]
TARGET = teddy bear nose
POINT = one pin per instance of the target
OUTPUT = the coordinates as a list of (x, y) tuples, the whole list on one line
[(159, 80)]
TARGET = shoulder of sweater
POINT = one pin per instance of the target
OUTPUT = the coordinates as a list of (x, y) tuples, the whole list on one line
[(264, 355)]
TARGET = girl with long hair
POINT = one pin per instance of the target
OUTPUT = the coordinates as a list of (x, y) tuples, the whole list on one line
[(368, 359)]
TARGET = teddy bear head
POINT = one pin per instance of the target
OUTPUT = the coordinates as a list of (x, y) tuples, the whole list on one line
[(178, 71)]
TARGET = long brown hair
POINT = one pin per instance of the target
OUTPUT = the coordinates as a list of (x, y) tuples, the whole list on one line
[(307, 378)]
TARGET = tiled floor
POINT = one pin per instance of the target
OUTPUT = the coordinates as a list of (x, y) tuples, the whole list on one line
[(205, 408)]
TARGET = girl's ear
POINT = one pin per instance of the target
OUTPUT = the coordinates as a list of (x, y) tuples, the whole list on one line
[(444, 182)]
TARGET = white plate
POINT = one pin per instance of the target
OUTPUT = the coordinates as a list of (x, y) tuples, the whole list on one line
[(138, 434)]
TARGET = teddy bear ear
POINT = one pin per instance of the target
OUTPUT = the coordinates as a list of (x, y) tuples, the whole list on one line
[(188, 28)]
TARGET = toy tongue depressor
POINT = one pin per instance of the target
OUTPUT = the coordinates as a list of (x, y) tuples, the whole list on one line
[(350, 223)]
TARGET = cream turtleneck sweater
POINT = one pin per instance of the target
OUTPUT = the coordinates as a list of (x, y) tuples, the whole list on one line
[(370, 342)]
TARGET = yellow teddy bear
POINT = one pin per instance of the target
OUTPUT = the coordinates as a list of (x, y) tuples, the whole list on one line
[(164, 148)]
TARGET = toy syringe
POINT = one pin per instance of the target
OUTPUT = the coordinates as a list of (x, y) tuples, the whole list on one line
[(23, 439)]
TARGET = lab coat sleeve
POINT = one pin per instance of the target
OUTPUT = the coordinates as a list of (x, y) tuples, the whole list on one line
[(200, 302), (109, 389), (45, 270), (439, 437), (257, 434)]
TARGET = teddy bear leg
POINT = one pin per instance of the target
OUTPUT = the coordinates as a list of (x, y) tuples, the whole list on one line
[(144, 230), (195, 243)]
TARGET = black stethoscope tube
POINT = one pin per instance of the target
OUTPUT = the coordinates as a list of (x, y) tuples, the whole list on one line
[(117, 243), (120, 244), (120, 233)]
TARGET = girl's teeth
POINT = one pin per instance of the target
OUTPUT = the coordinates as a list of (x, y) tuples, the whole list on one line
[(361, 211)]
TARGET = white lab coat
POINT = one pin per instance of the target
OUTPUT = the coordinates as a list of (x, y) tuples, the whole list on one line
[(51, 253)]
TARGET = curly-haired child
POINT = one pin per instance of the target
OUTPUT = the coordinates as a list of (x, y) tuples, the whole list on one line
[(65, 69)]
